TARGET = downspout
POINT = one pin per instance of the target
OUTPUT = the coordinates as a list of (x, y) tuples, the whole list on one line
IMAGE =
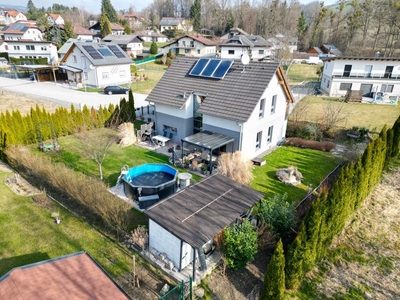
[(240, 134)]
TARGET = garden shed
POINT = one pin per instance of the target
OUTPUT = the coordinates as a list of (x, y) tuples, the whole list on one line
[(183, 226)]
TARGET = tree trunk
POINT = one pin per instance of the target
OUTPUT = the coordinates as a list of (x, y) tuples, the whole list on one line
[(100, 171)]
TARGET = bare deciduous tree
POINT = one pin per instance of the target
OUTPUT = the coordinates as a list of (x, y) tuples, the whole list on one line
[(236, 166), (332, 114), (95, 145)]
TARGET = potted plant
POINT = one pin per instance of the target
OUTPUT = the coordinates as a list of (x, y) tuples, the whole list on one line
[(204, 169)]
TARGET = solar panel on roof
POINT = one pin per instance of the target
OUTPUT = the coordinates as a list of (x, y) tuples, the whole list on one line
[(116, 51), (92, 52), (105, 52), (222, 69), (199, 66), (210, 68)]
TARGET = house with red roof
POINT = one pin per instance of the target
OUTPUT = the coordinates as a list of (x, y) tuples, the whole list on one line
[(12, 16), (192, 45), (55, 19), (115, 29), (24, 30), (74, 277)]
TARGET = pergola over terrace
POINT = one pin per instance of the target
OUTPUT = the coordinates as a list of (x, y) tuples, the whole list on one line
[(209, 141)]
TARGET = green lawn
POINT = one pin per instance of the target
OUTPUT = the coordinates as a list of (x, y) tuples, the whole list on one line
[(28, 234), (146, 86), (372, 116), (302, 72), (314, 165)]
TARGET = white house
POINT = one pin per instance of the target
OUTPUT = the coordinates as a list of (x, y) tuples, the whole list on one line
[(55, 19), (130, 43), (371, 75), (22, 31), (12, 16), (151, 35), (192, 45), (96, 64), (134, 21), (249, 105), (182, 227), (3, 46), (32, 49), (167, 23), (254, 45), (82, 33)]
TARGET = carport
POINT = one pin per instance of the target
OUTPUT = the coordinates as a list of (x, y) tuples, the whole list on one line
[(76, 73), (49, 72), (209, 141)]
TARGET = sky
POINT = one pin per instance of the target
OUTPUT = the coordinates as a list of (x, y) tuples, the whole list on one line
[(93, 6)]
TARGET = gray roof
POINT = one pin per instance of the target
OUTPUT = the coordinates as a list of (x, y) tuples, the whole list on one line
[(170, 21), (233, 97), (208, 140), (200, 211), (122, 39), (251, 41), (105, 60)]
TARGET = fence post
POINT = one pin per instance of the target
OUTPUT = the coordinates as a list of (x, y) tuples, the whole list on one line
[(190, 287)]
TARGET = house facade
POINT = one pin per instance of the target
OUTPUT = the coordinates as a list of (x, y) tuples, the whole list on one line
[(130, 43), (55, 19), (192, 45), (371, 75), (151, 35), (33, 49), (115, 29), (134, 21), (96, 64), (254, 45), (22, 31), (12, 16), (174, 24), (82, 33), (249, 105)]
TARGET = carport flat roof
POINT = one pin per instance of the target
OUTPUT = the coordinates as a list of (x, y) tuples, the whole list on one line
[(72, 69), (35, 67), (208, 140)]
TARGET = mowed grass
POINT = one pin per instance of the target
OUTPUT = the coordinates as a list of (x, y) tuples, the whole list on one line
[(146, 86), (28, 234), (372, 116), (302, 72), (314, 166)]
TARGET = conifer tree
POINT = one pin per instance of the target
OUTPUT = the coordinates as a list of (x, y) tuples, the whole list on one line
[(68, 32), (396, 138), (153, 47), (294, 270), (132, 109), (105, 26), (195, 15), (274, 279), (108, 9), (55, 34)]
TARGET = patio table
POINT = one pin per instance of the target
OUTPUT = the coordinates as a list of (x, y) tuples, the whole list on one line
[(161, 140)]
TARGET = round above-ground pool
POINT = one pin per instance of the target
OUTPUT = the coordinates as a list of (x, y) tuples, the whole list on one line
[(149, 183)]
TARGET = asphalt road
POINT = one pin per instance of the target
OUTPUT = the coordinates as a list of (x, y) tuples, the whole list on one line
[(64, 95)]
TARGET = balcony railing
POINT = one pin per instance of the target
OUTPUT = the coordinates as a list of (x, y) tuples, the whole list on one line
[(366, 75), (180, 45)]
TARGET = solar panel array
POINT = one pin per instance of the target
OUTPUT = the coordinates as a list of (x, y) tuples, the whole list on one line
[(211, 68), (116, 51), (92, 52), (105, 52)]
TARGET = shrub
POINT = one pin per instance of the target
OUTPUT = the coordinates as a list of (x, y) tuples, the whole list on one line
[(159, 61), (236, 167), (133, 69), (240, 244), (302, 143)]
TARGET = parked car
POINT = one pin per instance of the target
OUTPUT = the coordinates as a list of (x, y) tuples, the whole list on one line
[(115, 89)]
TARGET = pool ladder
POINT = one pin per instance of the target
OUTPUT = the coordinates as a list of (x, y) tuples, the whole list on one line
[(124, 171)]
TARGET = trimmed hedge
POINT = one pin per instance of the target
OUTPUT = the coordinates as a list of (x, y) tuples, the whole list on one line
[(302, 143)]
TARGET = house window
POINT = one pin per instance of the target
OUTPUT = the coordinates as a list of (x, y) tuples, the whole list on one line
[(273, 104), (262, 106), (30, 47), (187, 50), (198, 51), (16, 47), (345, 86), (44, 48), (269, 137), (104, 75), (258, 140), (327, 85), (260, 51), (122, 73), (169, 131), (85, 76), (192, 44), (74, 58), (232, 52), (6, 47), (387, 88)]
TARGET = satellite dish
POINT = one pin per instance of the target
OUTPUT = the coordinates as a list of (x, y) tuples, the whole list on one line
[(245, 59), (91, 67)]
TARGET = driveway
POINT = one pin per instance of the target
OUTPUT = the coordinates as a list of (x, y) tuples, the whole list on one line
[(64, 95)]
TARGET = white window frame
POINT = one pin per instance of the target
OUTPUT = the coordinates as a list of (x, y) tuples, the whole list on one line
[(258, 140), (270, 133), (74, 59), (262, 109), (231, 52), (273, 104)]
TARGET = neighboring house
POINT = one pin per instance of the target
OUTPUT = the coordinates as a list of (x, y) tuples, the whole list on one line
[(33, 49), (283, 43), (134, 21), (74, 276), (12, 16), (248, 104), (151, 35), (115, 29), (81, 32), (254, 45), (22, 31), (371, 75), (130, 43), (175, 24), (55, 19), (326, 50), (3, 46), (186, 234), (233, 32), (192, 45), (97, 64), (3, 61)]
